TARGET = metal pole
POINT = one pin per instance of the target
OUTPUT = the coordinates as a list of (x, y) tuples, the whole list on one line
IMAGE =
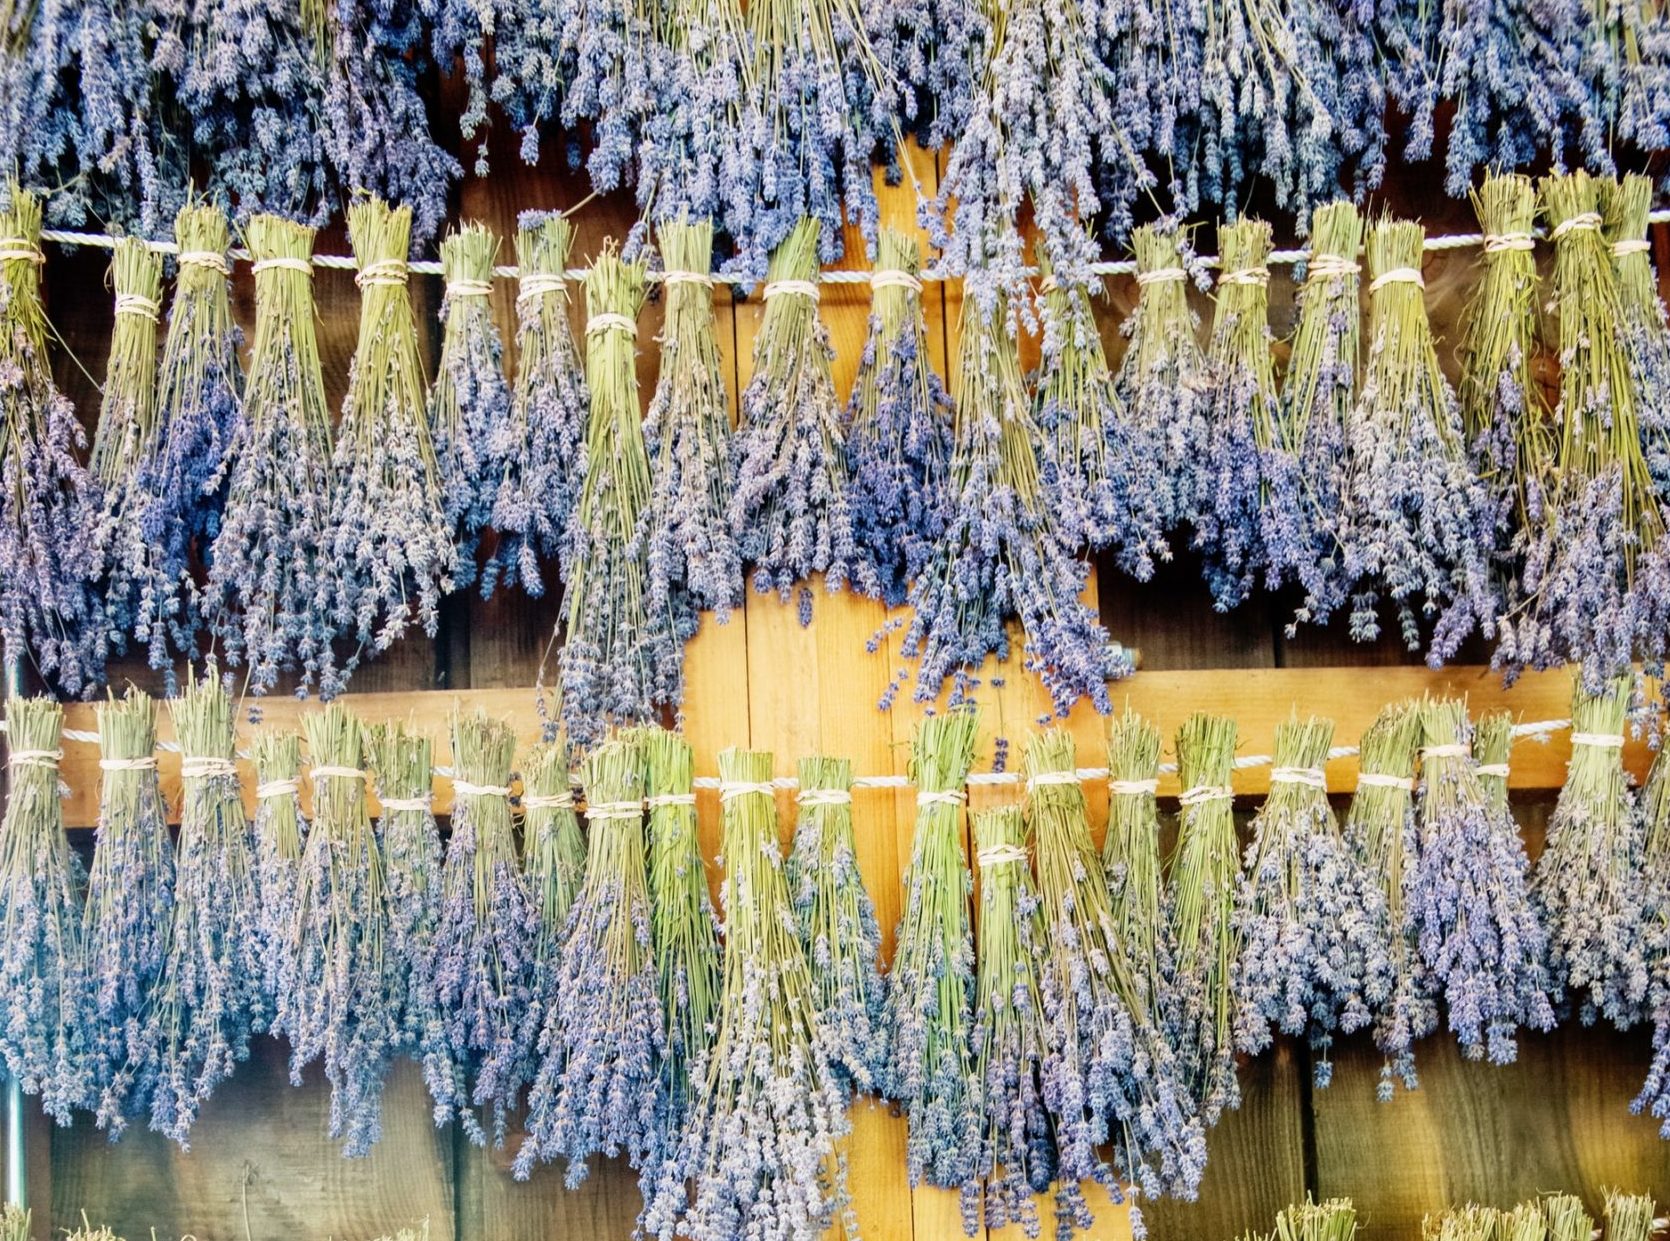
[(17, 1159)]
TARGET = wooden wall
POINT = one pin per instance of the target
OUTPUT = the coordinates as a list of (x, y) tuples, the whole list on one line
[(261, 1168)]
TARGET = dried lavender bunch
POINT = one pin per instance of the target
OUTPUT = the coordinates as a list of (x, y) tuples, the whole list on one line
[(1105, 479), (1630, 1217), (1163, 378), (523, 74), (686, 933), (129, 913), (213, 996), (538, 452), (1647, 331), (403, 764), (1310, 916), (1567, 1218), (1302, 539), (687, 433), (615, 76), (1589, 882), (486, 942), (392, 546), (1202, 881), (1380, 828), (280, 836), (937, 49), (1249, 474), (1332, 1219), (1629, 59), (1109, 1076), (125, 444), (599, 1086), (271, 583), (1470, 901), (1466, 1223), (622, 658), (791, 512), (1598, 576), (1138, 897), (49, 608), (898, 427), (930, 989), (1492, 746), (470, 399), (1524, 1222), (347, 1003), (838, 927), (47, 1036), (1653, 806), (1011, 1039), (553, 853), (1154, 53), (762, 1141), (1417, 523), (1003, 554)]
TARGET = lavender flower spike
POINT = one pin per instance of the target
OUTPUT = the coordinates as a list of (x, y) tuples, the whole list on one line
[(553, 853), (280, 834), (1653, 807)]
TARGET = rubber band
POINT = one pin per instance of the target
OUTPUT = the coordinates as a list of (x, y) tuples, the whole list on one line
[(687, 277), (1447, 751), (1631, 245), (1045, 778), (1384, 780), (35, 758), (386, 272), (744, 788), (206, 258), (21, 250), (1325, 266), (134, 304), (339, 773), (1246, 275), (1498, 770), (1161, 275), (1600, 741), (470, 288), (408, 803), (670, 799), (537, 284), (1498, 243), (615, 810)]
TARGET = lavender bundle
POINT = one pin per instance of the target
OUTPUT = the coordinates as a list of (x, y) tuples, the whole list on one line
[(48, 559), (761, 1141), (1163, 377), (1589, 882), (47, 1037), (1104, 478), (1016, 1156), (346, 1006), (615, 70), (280, 835), (687, 431), (599, 1086), (1380, 828), (1138, 901), (1469, 900), (1567, 1218), (1245, 460), (1003, 555), (271, 582), (392, 544), (1629, 59), (791, 512), (1492, 747), (1466, 1223), (510, 55), (1109, 1075), (1309, 915), (937, 50), (213, 996), (403, 764), (553, 853), (486, 942), (538, 451), (1524, 1222), (1630, 1217), (470, 399), (1654, 808), (1600, 583), (687, 961), (1625, 206), (898, 428), (930, 989), (129, 913), (1204, 872), (838, 927), (1303, 539), (622, 659)]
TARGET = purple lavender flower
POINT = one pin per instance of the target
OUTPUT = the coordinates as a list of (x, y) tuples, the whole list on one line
[(510, 53), (553, 853), (937, 51), (280, 836), (1653, 808)]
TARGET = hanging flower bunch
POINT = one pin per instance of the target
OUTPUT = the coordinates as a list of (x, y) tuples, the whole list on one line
[(1492, 746), (1653, 807), (898, 427), (46, 1039), (791, 511), (686, 934), (280, 836), (486, 940), (761, 1140), (1629, 59), (553, 853), (621, 660), (1589, 881), (1470, 903), (1309, 915), (470, 400), (612, 65), (1380, 828), (1138, 902), (510, 54), (1646, 329), (1203, 881), (930, 989), (599, 1086), (692, 550), (212, 997), (1016, 1156), (130, 912), (1630, 1217), (48, 560), (538, 451), (1104, 478), (1567, 1218), (838, 926), (1417, 523), (938, 49), (392, 548), (271, 582), (1003, 555), (346, 1007), (1109, 1075)]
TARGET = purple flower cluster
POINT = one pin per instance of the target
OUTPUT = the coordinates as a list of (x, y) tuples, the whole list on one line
[(280, 838), (553, 852), (1138, 899), (937, 50), (1653, 808), (509, 53)]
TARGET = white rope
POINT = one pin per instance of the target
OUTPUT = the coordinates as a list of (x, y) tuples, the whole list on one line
[(998, 855), (792, 288), (277, 788), (408, 803), (732, 790), (548, 801), (609, 321), (824, 797), (1398, 275), (1133, 788), (670, 799), (148, 763), (1381, 780), (615, 810), (207, 768), (466, 788), (341, 773)]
